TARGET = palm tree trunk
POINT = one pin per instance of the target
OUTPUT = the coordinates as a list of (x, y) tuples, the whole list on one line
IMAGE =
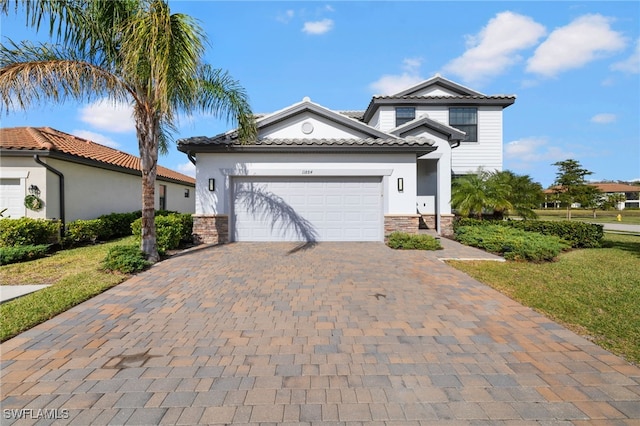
[(148, 146)]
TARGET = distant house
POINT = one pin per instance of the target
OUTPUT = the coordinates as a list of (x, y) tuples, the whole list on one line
[(77, 178), (318, 174), (630, 192)]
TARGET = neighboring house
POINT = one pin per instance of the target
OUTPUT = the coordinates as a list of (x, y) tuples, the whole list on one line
[(77, 178), (631, 194), (315, 174)]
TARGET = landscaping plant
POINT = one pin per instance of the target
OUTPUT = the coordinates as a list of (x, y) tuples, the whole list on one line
[(402, 240)]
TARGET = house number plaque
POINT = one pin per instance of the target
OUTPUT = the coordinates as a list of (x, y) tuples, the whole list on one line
[(307, 172)]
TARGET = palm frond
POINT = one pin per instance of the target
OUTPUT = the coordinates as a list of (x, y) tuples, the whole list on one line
[(33, 73), (225, 98)]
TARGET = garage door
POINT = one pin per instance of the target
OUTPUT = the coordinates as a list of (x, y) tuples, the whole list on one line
[(12, 197), (307, 209)]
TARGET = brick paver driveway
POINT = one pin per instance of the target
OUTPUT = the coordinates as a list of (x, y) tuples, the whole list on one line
[(255, 333)]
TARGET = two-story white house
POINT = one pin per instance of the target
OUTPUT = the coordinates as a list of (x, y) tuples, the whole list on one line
[(316, 174)]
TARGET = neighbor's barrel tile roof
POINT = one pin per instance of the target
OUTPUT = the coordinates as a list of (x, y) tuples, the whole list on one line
[(46, 139)]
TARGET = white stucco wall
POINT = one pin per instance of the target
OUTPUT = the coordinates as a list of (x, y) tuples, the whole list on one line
[(91, 191), (222, 167)]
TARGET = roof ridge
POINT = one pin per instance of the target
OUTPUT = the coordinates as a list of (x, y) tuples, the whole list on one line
[(40, 138)]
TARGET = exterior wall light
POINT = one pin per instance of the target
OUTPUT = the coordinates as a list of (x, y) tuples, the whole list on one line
[(400, 184), (186, 193), (212, 184)]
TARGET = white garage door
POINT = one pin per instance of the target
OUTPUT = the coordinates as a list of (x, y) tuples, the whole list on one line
[(307, 208), (12, 197)]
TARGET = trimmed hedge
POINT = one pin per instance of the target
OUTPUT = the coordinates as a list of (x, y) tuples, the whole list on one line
[(169, 231), (22, 253), (26, 231), (85, 231), (513, 244), (578, 234), (402, 240), (118, 225)]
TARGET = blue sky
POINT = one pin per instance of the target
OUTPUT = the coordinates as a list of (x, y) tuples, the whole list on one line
[(574, 67)]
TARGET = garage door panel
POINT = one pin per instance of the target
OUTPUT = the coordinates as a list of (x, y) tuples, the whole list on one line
[(320, 208), (12, 193)]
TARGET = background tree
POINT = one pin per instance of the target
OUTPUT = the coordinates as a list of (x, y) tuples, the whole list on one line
[(614, 200), (570, 184), (593, 199), (134, 51)]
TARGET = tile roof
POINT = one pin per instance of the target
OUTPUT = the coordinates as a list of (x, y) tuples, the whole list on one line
[(615, 187), (356, 115), (46, 139), (605, 187), (224, 140), (447, 97)]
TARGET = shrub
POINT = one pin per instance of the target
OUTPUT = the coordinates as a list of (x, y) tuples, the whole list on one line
[(513, 244), (84, 231), (125, 259), (118, 225), (26, 231), (22, 253), (402, 240), (578, 234), (168, 231)]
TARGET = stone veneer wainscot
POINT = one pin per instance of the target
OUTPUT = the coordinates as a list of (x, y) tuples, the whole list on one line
[(211, 229)]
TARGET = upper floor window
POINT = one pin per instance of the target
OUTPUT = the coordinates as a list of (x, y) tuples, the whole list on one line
[(404, 115), (465, 119)]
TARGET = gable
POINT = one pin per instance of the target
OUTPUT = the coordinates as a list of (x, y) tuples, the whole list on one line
[(438, 86), (308, 120), (310, 125)]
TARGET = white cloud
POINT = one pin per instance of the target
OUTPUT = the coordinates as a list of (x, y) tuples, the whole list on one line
[(604, 118), (286, 16), (630, 65), (531, 150), (107, 115), (187, 168), (495, 47), (390, 84), (318, 27), (586, 39), (96, 137)]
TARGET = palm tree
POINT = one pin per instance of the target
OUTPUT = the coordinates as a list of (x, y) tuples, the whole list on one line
[(134, 51), (470, 194), (522, 193)]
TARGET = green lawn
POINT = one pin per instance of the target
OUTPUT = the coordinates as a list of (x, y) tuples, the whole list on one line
[(75, 277), (594, 292), (628, 216)]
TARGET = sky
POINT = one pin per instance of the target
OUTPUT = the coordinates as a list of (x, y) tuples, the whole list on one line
[(573, 66)]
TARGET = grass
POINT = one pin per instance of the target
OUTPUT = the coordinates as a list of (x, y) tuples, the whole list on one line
[(594, 292), (75, 276), (629, 216)]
